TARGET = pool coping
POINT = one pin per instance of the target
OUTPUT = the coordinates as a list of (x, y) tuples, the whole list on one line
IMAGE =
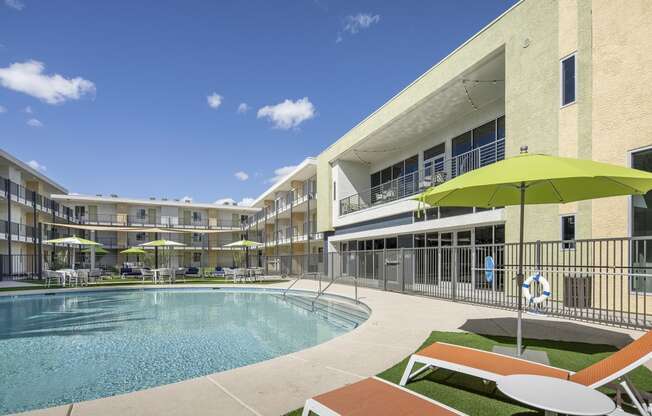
[(396, 327)]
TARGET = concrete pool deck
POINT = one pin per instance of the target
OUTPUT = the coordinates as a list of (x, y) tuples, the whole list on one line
[(397, 326)]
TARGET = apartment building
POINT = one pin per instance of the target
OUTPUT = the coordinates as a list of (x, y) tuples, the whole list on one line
[(25, 201), (119, 223), (286, 222), (560, 77)]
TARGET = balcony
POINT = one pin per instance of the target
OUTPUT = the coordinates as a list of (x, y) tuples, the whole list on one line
[(284, 205), (18, 193), (19, 232), (416, 182), (124, 220)]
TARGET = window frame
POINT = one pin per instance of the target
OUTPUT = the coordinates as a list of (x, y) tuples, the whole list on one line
[(561, 80)]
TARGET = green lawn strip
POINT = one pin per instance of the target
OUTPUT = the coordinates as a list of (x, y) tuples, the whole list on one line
[(39, 284), (470, 395)]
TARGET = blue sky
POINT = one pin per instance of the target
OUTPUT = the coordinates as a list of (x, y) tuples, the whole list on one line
[(144, 98)]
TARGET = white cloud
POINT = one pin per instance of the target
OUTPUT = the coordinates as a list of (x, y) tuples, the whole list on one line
[(187, 198), (223, 201), (27, 77), (37, 166), (32, 122), (214, 100), (281, 173), (243, 108), (244, 202), (3, 109), (243, 176), (28, 110), (288, 114), (15, 4), (353, 24)]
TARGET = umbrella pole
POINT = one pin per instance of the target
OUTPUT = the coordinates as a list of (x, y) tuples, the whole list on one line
[(519, 277)]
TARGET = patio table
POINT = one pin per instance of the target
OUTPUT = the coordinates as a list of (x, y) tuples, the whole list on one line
[(554, 395)]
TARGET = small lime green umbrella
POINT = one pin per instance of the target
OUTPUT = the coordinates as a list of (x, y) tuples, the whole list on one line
[(134, 250), (246, 245), (164, 243), (98, 250), (73, 240), (243, 244), (536, 179)]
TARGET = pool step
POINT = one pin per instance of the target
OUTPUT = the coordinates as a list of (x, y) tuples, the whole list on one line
[(335, 312)]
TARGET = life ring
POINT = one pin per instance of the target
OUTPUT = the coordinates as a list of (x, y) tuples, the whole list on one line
[(526, 289)]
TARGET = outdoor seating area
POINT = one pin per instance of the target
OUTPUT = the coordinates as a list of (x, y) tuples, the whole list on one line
[(452, 368)]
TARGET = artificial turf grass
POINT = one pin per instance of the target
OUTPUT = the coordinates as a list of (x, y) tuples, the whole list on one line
[(470, 395), (118, 281)]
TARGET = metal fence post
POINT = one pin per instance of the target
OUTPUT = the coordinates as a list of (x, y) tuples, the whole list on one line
[(402, 269)]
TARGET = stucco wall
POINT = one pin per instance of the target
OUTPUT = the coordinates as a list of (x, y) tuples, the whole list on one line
[(622, 107)]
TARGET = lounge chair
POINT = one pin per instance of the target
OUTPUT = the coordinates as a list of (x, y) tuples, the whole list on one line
[(375, 397), (146, 273), (219, 272), (491, 366)]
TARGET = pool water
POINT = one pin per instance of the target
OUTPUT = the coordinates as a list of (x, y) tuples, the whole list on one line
[(69, 347)]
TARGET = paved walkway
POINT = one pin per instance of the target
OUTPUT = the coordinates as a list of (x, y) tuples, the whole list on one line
[(397, 327)]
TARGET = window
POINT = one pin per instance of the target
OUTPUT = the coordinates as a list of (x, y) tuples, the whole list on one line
[(196, 257), (641, 223), (484, 134), (196, 216), (334, 191), (141, 214), (196, 237), (568, 84), (140, 236), (568, 231), (462, 143)]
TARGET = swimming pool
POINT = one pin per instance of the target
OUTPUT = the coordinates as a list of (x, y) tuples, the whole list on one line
[(76, 346)]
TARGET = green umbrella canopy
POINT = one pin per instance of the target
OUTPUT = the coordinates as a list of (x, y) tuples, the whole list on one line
[(98, 250), (536, 179), (243, 244), (72, 240), (161, 243), (134, 250), (547, 180)]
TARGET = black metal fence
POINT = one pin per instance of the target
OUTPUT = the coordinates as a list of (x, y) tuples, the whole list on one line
[(601, 280), (18, 266)]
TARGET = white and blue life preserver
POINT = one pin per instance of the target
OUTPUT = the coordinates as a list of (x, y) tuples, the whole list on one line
[(526, 289)]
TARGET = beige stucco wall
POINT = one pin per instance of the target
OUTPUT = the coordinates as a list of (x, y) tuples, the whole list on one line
[(622, 107)]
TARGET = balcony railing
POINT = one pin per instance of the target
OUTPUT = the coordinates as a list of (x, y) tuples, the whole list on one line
[(416, 182), (284, 205), (31, 198), (19, 232), (158, 221)]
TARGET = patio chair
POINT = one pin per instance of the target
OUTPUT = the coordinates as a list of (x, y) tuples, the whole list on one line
[(229, 272), (95, 275), (219, 272), (146, 273), (375, 397), (490, 366), (51, 275), (82, 276), (163, 273)]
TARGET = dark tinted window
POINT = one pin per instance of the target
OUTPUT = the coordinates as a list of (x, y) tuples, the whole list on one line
[(434, 151), (484, 134), (500, 128), (411, 164), (375, 179), (568, 230), (386, 175), (642, 205), (453, 211), (568, 80), (462, 143), (390, 243)]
